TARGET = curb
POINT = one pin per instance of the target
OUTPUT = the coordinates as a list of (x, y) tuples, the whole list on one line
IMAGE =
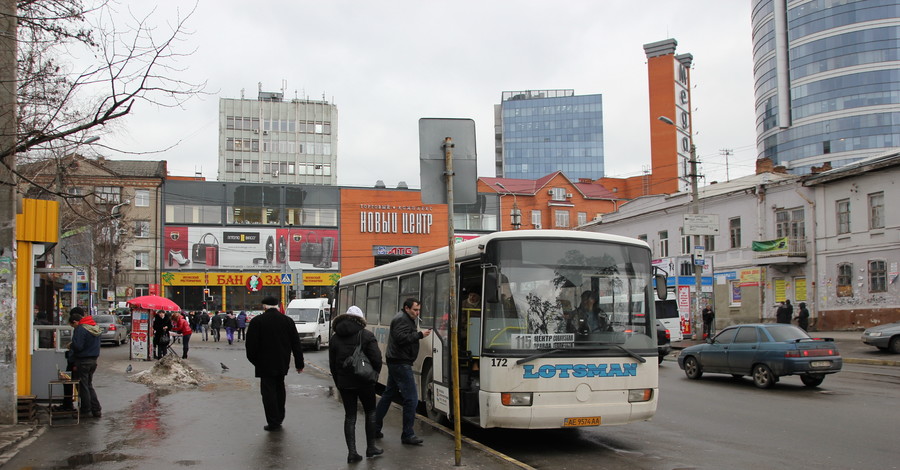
[(871, 362)]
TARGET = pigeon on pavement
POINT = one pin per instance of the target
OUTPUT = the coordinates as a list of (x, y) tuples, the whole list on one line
[(224, 367), (129, 369)]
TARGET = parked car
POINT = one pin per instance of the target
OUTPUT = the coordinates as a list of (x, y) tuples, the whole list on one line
[(663, 340), (884, 337), (766, 352), (112, 330)]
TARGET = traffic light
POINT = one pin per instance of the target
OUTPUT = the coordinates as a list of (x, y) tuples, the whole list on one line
[(206, 293)]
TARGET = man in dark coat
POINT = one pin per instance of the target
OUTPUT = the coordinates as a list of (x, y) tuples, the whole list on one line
[(402, 350), (85, 349), (215, 323), (803, 317), (783, 314), (271, 339), (708, 317)]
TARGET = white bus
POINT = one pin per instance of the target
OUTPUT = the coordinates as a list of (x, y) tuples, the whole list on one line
[(525, 361)]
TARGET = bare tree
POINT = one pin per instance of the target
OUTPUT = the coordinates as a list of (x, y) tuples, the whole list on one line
[(59, 101)]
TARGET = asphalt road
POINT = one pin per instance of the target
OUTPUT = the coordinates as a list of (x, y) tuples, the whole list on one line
[(720, 422)]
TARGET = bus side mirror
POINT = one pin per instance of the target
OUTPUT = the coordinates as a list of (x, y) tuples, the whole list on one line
[(662, 292), (490, 287)]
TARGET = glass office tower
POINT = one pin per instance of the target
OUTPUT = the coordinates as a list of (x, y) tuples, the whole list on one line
[(541, 131), (827, 80)]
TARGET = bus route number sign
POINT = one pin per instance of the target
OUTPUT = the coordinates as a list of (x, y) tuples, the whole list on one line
[(542, 341)]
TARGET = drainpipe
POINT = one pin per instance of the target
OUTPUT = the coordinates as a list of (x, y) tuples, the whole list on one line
[(811, 289)]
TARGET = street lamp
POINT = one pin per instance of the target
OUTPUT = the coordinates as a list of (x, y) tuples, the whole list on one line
[(695, 209), (115, 214), (515, 215)]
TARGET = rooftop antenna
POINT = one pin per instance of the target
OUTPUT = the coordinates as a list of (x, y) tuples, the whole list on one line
[(242, 93)]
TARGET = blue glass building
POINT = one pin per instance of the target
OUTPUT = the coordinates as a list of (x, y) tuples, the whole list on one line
[(539, 132), (827, 80)]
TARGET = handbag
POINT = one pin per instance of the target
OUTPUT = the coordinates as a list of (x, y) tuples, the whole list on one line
[(359, 363), (311, 249), (206, 249)]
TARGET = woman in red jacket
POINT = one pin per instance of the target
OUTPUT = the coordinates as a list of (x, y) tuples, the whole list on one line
[(180, 325)]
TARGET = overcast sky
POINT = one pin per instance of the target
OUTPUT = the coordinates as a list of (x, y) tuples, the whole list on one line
[(385, 64)]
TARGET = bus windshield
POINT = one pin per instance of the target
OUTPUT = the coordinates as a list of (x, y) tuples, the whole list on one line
[(554, 294)]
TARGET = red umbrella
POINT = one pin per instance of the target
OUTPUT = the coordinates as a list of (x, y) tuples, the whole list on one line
[(154, 302)]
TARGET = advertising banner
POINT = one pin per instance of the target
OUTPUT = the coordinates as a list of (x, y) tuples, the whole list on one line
[(238, 248), (140, 334)]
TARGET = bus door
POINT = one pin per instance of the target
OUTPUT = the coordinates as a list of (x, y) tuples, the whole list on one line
[(440, 339)]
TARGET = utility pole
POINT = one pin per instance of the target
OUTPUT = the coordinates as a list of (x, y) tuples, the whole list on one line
[(698, 241), (8, 128), (727, 153)]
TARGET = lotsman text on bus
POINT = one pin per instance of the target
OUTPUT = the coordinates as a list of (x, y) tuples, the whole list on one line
[(565, 371)]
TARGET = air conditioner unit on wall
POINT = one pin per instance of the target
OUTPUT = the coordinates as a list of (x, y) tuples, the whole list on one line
[(537, 226), (568, 194)]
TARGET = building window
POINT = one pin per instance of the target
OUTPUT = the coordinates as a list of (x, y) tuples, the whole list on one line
[(664, 244), (558, 194), (141, 229), (845, 280), (876, 210), (108, 194), (877, 276), (141, 260), (142, 198), (582, 218), (141, 289), (642, 237), (536, 219), (685, 244), (734, 231), (562, 219), (709, 242), (843, 216)]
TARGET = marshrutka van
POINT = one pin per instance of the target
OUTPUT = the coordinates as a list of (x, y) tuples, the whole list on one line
[(313, 320)]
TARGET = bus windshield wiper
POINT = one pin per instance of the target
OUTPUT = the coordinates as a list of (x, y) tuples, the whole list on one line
[(539, 355), (631, 353)]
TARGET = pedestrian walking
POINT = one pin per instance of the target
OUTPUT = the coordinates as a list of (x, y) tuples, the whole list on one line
[(215, 323), (271, 340), (708, 316), (349, 333), (402, 350), (230, 324), (181, 326), (241, 325), (803, 317), (204, 324), (162, 325), (85, 349)]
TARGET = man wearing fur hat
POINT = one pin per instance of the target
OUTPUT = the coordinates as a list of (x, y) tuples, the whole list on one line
[(271, 339), (349, 333)]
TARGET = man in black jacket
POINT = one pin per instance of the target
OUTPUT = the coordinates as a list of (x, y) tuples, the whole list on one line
[(271, 339), (402, 350)]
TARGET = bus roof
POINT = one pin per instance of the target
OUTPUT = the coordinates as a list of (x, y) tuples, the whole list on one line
[(475, 247)]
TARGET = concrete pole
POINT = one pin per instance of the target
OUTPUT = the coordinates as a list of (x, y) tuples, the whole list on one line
[(698, 270), (8, 387)]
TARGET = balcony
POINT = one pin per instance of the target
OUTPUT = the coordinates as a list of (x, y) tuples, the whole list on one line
[(781, 251)]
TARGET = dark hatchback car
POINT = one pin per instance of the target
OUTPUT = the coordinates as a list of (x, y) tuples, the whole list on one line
[(765, 352)]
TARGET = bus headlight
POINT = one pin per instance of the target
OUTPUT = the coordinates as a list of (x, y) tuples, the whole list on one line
[(639, 395), (516, 399)]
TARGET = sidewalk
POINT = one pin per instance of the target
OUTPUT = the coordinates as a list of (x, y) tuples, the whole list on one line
[(313, 423), (851, 347)]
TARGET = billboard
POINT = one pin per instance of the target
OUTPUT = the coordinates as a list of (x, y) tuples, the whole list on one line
[(236, 248)]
